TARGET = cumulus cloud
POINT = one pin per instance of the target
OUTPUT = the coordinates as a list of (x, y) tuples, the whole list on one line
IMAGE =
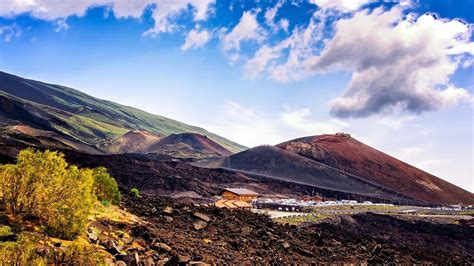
[(163, 12), (196, 39), (247, 29), (397, 63)]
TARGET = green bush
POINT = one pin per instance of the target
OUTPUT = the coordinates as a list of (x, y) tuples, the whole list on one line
[(105, 203), (105, 186), (25, 252), (42, 184), (135, 192)]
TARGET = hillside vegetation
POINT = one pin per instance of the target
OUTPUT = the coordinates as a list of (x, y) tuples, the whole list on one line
[(82, 117)]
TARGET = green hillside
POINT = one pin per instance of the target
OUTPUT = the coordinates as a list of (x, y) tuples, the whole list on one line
[(81, 116)]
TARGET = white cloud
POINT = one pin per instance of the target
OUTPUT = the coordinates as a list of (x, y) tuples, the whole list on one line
[(248, 126), (196, 39), (259, 62), (284, 24), (300, 119), (247, 29), (7, 33), (342, 5), (301, 45), (396, 63), (61, 25), (270, 15), (163, 13), (166, 10), (399, 62)]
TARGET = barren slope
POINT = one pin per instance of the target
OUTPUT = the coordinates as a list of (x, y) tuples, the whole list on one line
[(135, 141), (274, 162), (195, 141), (343, 152)]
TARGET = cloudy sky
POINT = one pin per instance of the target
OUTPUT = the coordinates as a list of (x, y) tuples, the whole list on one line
[(396, 75)]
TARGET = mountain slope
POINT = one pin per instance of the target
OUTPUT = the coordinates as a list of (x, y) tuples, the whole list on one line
[(343, 152), (277, 163), (81, 116), (195, 141), (135, 141)]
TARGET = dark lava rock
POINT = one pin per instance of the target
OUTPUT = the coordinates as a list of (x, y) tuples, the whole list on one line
[(163, 247)]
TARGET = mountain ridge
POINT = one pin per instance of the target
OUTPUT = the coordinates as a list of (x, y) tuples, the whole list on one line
[(86, 117)]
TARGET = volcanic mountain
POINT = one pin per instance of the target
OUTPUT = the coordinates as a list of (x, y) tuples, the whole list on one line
[(278, 164), (342, 152), (193, 141), (84, 119)]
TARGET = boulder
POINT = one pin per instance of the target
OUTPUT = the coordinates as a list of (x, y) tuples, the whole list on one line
[(163, 247), (202, 216), (168, 210), (199, 225), (285, 245)]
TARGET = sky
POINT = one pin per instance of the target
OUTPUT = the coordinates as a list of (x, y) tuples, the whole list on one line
[(397, 75)]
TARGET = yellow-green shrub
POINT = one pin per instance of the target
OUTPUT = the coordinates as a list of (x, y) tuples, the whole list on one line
[(21, 252), (105, 186), (41, 184)]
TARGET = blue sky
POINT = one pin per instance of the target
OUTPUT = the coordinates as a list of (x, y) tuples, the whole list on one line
[(262, 72)]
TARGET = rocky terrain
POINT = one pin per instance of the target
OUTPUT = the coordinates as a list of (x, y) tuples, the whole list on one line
[(181, 233)]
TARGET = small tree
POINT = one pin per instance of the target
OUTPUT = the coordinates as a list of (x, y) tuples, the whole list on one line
[(105, 186)]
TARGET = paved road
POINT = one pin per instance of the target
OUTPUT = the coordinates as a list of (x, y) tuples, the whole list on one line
[(281, 214)]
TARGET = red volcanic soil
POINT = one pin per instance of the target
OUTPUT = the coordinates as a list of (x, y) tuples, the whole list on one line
[(196, 141), (136, 141), (343, 152)]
